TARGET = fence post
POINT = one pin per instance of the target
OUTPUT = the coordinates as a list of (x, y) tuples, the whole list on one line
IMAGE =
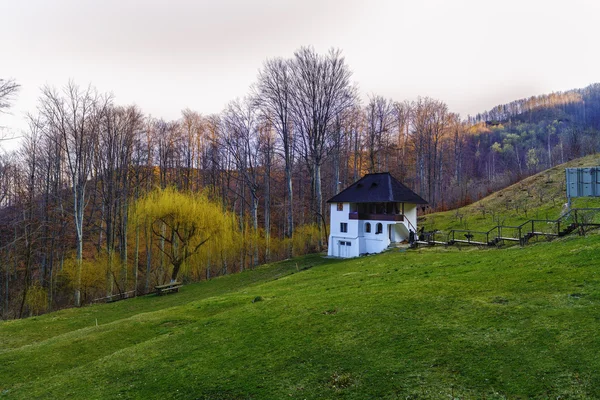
[(520, 236)]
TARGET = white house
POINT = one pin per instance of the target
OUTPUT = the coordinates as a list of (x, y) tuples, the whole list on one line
[(370, 214)]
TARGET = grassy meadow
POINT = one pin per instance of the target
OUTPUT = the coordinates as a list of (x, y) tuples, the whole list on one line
[(431, 323), (419, 324)]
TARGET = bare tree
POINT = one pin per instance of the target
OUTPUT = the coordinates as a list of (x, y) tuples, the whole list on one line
[(167, 138), (29, 225), (240, 137), (274, 98), (75, 117), (402, 113), (8, 236), (430, 123), (321, 91), (266, 145), (192, 130), (380, 121), (112, 160), (354, 122), (54, 223), (5, 166), (8, 89)]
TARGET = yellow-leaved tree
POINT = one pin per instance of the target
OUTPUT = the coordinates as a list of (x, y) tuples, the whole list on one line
[(189, 224)]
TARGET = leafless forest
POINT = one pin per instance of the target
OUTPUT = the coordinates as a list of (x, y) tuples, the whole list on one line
[(270, 159)]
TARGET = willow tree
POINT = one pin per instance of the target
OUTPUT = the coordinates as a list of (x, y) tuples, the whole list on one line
[(187, 222)]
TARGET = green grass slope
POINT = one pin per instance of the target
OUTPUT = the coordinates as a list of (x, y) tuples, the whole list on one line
[(540, 196), (425, 324)]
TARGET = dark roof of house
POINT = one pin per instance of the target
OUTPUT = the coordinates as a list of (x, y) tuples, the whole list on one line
[(377, 188)]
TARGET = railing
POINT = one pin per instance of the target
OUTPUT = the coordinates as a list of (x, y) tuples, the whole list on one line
[(468, 237), (432, 238), (585, 216), (566, 223), (376, 217), (411, 226), (507, 232), (541, 227)]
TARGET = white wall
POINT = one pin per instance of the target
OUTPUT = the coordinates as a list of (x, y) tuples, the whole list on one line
[(336, 236), (410, 213), (375, 242)]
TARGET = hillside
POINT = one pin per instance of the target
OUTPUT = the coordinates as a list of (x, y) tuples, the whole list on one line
[(267, 176), (540, 196), (427, 324)]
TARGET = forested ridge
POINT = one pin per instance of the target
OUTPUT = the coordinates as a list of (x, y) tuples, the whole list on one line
[(71, 195)]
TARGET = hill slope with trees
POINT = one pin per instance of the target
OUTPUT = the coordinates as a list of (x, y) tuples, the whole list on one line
[(271, 158), (541, 196)]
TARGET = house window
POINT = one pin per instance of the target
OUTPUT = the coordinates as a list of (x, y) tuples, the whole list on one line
[(343, 227), (368, 227), (340, 206), (379, 228), (344, 243)]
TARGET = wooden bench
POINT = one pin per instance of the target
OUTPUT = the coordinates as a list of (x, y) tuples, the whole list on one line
[(168, 288)]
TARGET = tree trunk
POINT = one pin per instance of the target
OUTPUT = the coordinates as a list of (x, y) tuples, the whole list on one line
[(318, 200), (290, 206), (123, 245), (148, 243), (254, 216), (267, 185), (176, 267), (79, 204)]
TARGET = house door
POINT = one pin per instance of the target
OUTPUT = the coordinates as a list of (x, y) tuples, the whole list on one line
[(343, 249)]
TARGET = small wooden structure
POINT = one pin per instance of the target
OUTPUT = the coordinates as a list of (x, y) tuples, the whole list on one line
[(171, 287)]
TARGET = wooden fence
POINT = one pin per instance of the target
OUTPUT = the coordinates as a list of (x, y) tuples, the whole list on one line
[(578, 219)]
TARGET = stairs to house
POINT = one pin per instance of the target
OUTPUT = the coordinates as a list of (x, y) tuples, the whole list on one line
[(570, 228), (526, 237)]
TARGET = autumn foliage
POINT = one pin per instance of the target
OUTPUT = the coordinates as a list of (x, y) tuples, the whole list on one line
[(189, 229)]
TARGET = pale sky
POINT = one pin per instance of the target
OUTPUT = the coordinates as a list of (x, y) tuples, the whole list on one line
[(166, 56)]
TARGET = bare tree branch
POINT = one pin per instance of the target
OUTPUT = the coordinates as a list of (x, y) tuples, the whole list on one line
[(8, 89)]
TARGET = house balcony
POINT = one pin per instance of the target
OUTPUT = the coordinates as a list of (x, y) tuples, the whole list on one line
[(376, 217)]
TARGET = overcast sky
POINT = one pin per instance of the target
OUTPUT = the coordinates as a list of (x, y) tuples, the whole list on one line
[(166, 56)]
